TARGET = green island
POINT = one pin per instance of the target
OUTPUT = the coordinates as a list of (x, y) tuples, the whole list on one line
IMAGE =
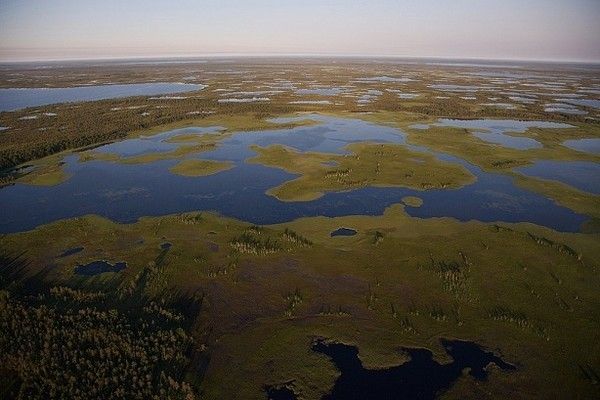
[(412, 201), (199, 167), (367, 165)]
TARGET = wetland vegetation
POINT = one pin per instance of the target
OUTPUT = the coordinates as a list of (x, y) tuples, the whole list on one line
[(366, 165), (306, 229)]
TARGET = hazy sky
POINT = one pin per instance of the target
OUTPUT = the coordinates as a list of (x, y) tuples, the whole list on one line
[(521, 29)]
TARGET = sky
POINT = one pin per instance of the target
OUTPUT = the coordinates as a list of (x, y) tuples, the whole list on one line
[(488, 29)]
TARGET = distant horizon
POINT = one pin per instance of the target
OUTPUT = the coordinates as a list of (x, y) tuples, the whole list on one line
[(209, 56), (532, 30)]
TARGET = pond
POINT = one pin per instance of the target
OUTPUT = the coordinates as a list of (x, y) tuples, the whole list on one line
[(126, 192), (422, 377), (343, 232), (15, 99), (99, 267), (321, 91)]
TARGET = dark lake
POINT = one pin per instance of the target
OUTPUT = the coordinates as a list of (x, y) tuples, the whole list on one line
[(125, 192), (17, 98), (280, 393), (99, 267), (421, 377), (343, 232)]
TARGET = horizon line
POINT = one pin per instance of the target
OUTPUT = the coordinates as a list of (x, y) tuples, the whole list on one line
[(294, 55)]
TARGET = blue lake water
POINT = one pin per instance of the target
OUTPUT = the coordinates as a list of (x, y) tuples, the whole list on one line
[(495, 131), (591, 146), (154, 144), (15, 99), (583, 175), (126, 192)]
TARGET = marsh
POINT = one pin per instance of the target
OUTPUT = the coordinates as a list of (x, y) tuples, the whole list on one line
[(376, 210)]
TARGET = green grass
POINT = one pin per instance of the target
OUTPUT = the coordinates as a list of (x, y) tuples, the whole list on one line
[(412, 201), (46, 176), (200, 167), (368, 165), (45, 172)]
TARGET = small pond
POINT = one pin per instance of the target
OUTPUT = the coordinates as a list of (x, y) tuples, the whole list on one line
[(321, 91), (99, 267), (343, 232)]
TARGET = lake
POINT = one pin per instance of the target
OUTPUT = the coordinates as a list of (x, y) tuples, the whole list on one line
[(583, 175), (421, 377), (591, 145), (496, 131), (18, 98), (125, 192)]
